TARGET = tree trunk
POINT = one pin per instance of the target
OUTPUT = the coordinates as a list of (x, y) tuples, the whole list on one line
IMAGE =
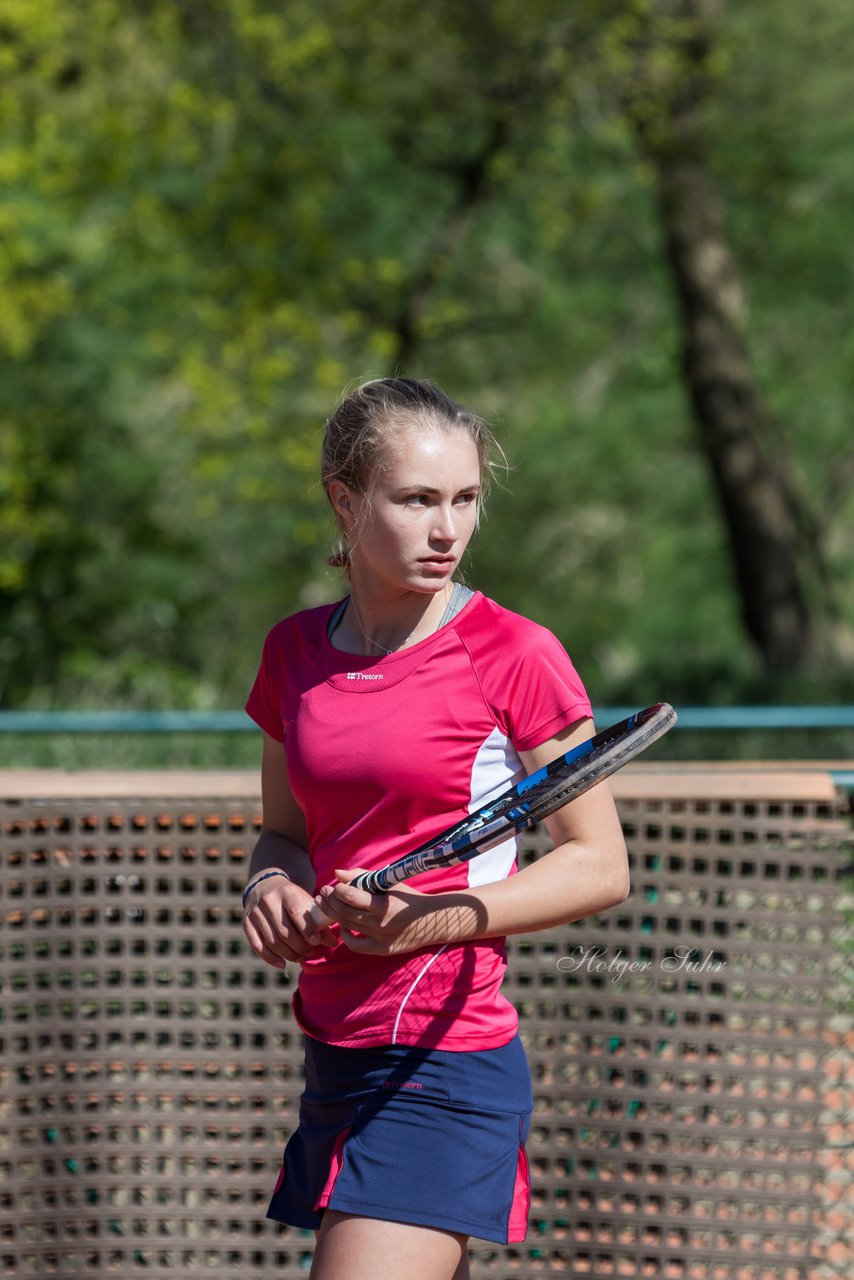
[(758, 502), (776, 556)]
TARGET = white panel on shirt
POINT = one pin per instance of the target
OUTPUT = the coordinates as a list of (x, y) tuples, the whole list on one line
[(496, 766)]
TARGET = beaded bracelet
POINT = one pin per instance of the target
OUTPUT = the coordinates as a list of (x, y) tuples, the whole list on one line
[(265, 876)]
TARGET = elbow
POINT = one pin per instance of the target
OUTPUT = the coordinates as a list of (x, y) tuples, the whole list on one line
[(623, 892), (616, 892), (621, 883)]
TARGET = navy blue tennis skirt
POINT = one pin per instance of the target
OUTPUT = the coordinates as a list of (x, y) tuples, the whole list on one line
[(424, 1136)]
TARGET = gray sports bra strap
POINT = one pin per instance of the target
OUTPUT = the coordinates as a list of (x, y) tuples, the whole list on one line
[(459, 599), (336, 616)]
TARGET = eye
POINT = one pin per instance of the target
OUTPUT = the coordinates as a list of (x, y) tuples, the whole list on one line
[(416, 500), (467, 498)]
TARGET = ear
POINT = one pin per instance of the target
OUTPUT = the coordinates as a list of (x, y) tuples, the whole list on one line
[(341, 500)]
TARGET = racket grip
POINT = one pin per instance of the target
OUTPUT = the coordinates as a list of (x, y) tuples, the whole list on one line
[(385, 878), (373, 881)]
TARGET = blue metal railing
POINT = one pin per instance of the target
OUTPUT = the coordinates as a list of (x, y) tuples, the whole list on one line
[(209, 722), (803, 717)]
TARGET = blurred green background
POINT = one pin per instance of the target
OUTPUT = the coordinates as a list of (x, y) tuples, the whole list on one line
[(621, 231)]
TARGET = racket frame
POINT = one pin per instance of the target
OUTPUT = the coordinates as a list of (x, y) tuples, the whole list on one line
[(533, 798)]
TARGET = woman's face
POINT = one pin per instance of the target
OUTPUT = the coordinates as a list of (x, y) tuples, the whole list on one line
[(412, 532)]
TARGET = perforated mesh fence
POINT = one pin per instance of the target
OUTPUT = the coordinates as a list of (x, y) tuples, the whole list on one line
[(151, 1070)]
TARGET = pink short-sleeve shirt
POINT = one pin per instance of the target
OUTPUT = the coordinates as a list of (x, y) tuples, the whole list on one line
[(383, 755)]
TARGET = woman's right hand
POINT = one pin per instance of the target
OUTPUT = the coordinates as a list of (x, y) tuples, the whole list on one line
[(278, 924)]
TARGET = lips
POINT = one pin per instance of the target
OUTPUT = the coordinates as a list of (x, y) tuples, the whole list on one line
[(438, 562)]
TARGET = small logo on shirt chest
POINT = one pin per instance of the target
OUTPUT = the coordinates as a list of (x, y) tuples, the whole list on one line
[(362, 675)]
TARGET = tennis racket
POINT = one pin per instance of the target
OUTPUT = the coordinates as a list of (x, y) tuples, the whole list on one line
[(533, 798)]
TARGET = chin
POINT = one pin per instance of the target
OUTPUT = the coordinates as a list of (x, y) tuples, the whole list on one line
[(433, 573), (431, 587)]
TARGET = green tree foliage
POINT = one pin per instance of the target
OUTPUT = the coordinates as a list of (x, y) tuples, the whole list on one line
[(216, 213)]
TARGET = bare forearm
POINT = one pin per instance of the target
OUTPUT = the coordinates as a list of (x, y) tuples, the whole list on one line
[(570, 883), (276, 852), (587, 871)]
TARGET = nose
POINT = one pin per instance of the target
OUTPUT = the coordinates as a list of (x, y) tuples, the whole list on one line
[(445, 524)]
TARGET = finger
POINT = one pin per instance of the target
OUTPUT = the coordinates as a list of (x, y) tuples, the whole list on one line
[(328, 908), (326, 938), (278, 958), (279, 950), (260, 947), (280, 918), (276, 930), (320, 921), (349, 893), (325, 907), (342, 898), (292, 927), (321, 910), (350, 918), (284, 954), (294, 913), (304, 923)]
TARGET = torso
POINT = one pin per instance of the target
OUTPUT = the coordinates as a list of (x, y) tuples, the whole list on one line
[(382, 755)]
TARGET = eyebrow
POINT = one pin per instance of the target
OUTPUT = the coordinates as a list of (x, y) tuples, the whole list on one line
[(426, 488)]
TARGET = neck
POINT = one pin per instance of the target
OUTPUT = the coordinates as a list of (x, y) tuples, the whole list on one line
[(376, 624)]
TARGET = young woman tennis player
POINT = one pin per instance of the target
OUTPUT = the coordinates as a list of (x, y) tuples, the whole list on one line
[(386, 717)]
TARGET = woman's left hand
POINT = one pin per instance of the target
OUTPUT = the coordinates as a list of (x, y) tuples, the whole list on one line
[(380, 924)]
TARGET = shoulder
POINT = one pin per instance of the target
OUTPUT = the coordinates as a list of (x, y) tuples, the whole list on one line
[(295, 643), (308, 625), (289, 660), (491, 625), (284, 655), (525, 675)]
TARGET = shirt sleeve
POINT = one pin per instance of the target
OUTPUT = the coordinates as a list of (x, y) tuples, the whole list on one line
[(535, 690), (264, 704)]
